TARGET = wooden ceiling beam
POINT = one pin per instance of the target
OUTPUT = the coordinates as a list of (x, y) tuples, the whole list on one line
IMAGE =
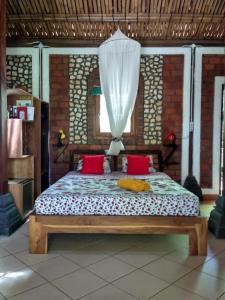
[(95, 42), (142, 17)]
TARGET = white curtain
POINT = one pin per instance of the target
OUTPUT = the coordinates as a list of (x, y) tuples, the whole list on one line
[(119, 64)]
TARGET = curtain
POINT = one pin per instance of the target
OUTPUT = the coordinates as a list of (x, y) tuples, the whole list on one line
[(119, 64)]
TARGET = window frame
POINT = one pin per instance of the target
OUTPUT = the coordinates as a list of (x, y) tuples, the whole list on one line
[(107, 135)]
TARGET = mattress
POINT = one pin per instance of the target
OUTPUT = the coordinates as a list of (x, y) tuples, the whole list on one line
[(77, 194)]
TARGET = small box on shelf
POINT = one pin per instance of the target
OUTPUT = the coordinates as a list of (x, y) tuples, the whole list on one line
[(30, 113), (22, 112)]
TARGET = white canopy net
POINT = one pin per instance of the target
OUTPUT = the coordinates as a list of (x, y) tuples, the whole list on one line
[(119, 64)]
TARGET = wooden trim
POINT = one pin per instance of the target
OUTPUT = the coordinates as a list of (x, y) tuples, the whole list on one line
[(209, 198), (132, 18), (40, 226), (3, 105), (91, 43), (222, 155)]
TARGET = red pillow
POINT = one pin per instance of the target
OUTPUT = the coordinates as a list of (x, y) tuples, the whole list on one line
[(138, 165), (93, 164)]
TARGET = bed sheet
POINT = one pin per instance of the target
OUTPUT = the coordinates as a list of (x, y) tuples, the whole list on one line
[(77, 194)]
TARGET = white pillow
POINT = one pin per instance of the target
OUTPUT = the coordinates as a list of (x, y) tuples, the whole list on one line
[(106, 166), (151, 168)]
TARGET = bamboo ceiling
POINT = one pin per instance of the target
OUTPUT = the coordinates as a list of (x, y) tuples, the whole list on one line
[(95, 20)]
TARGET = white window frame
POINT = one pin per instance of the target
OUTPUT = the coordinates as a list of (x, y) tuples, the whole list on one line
[(197, 120)]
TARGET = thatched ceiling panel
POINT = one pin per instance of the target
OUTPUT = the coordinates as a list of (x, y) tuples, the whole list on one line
[(97, 19)]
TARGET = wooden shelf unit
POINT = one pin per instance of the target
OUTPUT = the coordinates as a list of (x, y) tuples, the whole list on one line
[(35, 139)]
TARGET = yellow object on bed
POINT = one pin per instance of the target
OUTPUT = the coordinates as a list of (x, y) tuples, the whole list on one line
[(134, 185)]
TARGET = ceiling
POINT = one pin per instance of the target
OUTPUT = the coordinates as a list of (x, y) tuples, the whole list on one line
[(92, 21)]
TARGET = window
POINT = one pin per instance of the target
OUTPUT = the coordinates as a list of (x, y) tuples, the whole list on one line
[(98, 129), (104, 119)]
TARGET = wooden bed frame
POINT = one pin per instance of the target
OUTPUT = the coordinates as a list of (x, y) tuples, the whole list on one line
[(41, 225)]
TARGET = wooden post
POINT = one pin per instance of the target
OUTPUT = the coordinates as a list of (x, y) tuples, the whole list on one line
[(223, 156), (3, 105)]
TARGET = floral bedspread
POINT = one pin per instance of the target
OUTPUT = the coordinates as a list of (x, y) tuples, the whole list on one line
[(76, 194)]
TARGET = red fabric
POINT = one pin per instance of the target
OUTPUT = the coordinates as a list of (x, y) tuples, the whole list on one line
[(138, 165), (93, 164)]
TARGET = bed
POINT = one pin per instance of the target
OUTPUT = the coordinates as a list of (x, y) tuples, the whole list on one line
[(95, 204)]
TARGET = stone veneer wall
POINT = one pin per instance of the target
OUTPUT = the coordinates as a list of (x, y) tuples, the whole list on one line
[(19, 71), (151, 68), (80, 66)]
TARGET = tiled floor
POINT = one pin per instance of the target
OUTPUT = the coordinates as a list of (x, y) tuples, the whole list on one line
[(98, 267)]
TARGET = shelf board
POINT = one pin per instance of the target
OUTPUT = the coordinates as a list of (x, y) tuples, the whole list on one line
[(24, 121), (21, 157)]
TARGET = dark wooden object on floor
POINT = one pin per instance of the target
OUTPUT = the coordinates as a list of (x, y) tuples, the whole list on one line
[(10, 218), (216, 221), (192, 185)]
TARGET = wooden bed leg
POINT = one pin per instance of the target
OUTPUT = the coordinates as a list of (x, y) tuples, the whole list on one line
[(38, 237), (193, 243), (198, 239), (202, 232)]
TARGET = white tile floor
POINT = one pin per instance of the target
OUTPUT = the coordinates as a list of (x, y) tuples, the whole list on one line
[(111, 267)]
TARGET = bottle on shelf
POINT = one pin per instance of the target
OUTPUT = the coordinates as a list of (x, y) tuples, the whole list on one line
[(11, 112), (15, 116)]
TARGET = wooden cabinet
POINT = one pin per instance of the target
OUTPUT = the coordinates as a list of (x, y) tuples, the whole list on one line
[(35, 144), (21, 167)]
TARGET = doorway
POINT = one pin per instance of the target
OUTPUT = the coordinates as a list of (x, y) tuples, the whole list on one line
[(222, 144)]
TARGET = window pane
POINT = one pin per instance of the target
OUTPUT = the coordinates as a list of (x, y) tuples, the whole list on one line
[(104, 120)]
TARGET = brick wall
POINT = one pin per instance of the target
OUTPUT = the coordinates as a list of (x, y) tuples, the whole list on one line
[(171, 116), (173, 108), (212, 65), (59, 111)]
